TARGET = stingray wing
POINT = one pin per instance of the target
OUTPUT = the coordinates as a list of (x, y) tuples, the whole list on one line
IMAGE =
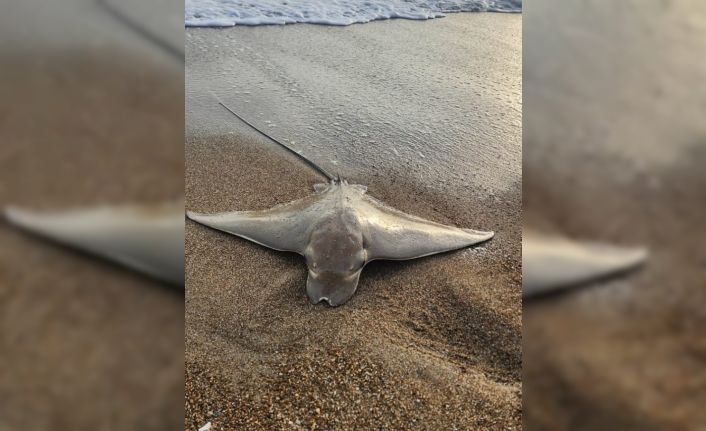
[(394, 235), (550, 264), (147, 239), (284, 227)]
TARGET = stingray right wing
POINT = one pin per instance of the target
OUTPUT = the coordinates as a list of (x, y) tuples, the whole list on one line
[(149, 239), (284, 227), (394, 235), (550, 264)]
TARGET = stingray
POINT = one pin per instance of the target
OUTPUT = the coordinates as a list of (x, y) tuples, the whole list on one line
[(554, 264), (339, 229), (148, 239)]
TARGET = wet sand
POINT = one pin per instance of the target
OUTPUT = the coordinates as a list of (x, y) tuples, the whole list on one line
[(432, 343), (374, 102)]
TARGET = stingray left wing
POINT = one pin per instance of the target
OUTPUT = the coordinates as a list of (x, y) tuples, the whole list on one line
[(284, 227), (394, 235), (149, 239)]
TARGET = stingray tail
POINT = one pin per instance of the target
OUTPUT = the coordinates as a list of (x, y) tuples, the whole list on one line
[(141, 30), (316, 167)]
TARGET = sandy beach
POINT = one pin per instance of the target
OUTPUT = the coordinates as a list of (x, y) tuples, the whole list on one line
[(433, 343)]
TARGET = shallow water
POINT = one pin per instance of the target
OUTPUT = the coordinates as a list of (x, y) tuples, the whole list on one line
[(228, 13)]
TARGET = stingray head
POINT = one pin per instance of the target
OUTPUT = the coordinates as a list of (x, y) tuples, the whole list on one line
[(333, 287), (335, 257)]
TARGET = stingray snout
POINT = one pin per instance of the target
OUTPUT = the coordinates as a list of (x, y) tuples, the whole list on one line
[(333, 287)]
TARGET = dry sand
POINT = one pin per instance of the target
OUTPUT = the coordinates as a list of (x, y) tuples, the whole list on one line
[(433, 343), (86, 344)]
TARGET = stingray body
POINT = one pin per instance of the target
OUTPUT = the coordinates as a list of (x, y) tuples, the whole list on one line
[(148, 239), (338, 230), (551, 264)]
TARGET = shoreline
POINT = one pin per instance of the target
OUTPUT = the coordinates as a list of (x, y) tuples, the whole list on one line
[(327, 24)]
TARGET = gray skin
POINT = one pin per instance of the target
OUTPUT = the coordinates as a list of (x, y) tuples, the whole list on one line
[(339, 229), (551, 264), (148, 239)]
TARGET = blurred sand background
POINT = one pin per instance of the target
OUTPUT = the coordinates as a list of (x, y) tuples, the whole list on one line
[(614, 151), (90, 115), (427, 344)]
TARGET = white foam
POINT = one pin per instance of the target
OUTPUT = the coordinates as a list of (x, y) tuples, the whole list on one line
[(228, 13)]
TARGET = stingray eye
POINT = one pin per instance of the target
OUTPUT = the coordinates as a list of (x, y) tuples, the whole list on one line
[(357, 264)]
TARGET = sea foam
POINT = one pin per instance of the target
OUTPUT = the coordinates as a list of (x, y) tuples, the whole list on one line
[(228, 13)]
